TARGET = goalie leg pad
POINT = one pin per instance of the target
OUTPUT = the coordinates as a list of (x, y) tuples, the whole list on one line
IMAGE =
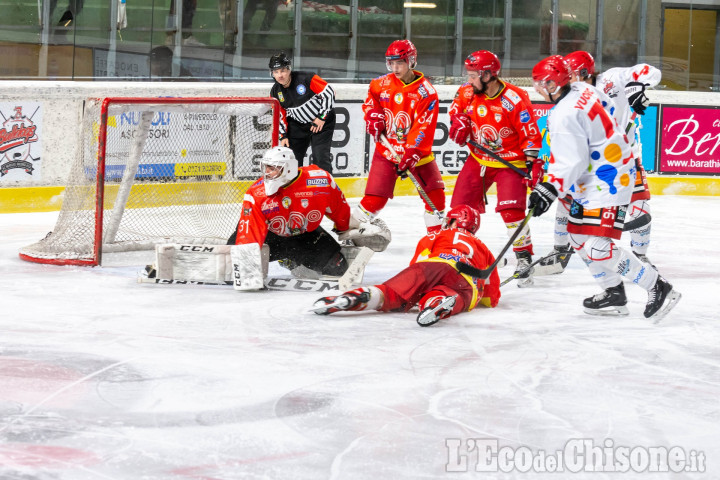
[(188, 262), (358, 258), (247, 266)]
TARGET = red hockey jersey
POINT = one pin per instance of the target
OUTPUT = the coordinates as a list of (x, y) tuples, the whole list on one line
[(411, 113), (453, 245), (294, 209), (504, 124)]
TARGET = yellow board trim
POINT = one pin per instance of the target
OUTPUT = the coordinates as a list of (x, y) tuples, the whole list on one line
[(49, 199)]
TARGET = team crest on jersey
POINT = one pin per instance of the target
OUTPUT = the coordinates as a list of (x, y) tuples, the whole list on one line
[(398, 98), (304, 202), (608, 88), (300, 89), (286, 202), (506, 104), (481, 110), (505, 132), (281, 97), (422, 91), (524, 116), (498, 117)]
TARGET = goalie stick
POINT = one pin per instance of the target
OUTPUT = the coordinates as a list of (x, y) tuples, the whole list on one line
[(276, 283), (414, 180), (485, 273)]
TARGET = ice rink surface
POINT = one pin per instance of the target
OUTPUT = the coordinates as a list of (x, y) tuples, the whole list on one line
[(104, 378)]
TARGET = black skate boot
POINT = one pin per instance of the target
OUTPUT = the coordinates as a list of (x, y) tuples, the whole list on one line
[(436, 309), (353, 300), (611, 302), (661, 299), (523, 270), (555, 261)]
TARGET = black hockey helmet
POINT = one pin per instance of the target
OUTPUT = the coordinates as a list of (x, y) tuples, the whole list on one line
[(279, 61)]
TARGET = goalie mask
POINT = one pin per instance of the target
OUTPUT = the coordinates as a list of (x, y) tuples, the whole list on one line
[(279, 167), (464, 216)]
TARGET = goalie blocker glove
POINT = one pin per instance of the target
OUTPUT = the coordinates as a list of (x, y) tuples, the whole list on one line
[(635, 93), (541, 198)]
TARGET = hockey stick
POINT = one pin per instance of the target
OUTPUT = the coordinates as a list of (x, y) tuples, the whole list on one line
[(497, 157), (485, 273), (293, 284), (517, 275), (414, 180)]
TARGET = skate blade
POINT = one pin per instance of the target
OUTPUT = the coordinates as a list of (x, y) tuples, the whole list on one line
[(620, 311), (672, 299), (427, 317), (328, 308)]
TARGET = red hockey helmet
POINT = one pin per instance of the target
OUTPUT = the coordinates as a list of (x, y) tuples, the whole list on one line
[(553, 68), (465, 217), (401, 50), (482, 61), (581, 62)]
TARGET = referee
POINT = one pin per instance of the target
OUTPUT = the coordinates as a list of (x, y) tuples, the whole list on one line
[(307, 116)]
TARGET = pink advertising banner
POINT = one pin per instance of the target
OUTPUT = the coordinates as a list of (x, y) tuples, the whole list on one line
[(690, 141)]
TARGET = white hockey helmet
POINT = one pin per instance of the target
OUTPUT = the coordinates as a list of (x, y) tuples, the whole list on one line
[(283, 168)]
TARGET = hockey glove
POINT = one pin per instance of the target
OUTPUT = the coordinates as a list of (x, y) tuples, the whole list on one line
[(375, 123), (535, 169), (410, 159), (542, 197), (635, 93), (459, 128)]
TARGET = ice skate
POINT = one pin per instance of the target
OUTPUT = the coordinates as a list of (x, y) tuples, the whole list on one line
[(523, 270), (661, 299), (353, 300), (611, 302), (555, 261), (436, 309)]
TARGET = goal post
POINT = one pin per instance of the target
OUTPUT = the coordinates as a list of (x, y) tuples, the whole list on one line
[(158, 170)]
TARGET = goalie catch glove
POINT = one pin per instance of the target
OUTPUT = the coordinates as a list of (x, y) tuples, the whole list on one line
[(541, 198), (635, 93)]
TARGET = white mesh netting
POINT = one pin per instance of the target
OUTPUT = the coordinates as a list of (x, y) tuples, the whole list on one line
[(175, 172)]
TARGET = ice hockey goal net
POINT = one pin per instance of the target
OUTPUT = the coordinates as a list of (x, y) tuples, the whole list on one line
[(157, 170)]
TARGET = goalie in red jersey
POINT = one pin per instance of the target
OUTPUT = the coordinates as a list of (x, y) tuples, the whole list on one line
[(432, 280), (283, 210)]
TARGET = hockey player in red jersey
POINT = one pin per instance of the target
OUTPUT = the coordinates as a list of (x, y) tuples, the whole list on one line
[(283, 210), (591, 160), (432, 280), (626, 87), (498, 116), (403, 106)]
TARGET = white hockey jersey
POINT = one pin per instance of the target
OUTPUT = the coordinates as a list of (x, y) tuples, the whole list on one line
[(590, 154), (612, 82)]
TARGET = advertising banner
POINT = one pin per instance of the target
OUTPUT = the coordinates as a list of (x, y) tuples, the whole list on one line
[(20, 142), (690, 140)]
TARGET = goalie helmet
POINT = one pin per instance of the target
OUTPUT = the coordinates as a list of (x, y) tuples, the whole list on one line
[(482, 61), (279, 61), (401, 50), (553, 68), (279, 167), (581, 62), (465, 217)]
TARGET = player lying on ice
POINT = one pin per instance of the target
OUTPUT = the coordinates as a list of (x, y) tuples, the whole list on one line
[(283, 211), (431, 281)]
